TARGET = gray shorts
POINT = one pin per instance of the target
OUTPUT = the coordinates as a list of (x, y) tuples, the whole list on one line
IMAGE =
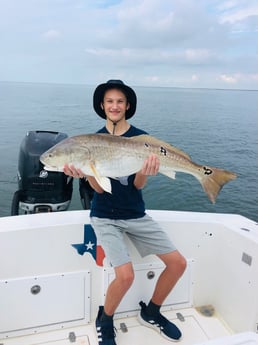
[(146, 234)]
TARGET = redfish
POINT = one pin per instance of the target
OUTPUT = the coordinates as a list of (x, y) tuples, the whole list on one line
[(106, 156)]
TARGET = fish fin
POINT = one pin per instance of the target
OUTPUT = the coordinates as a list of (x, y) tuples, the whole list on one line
[(123, 180), (105, 184), (213, 179), (103, 181), (168, 172), (148, 139), (54, 169)]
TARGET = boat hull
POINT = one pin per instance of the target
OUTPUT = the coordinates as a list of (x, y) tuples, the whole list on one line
[(52, 283)]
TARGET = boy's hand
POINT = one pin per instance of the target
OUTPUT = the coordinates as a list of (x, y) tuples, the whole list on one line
[(71, 171), (151, 166)]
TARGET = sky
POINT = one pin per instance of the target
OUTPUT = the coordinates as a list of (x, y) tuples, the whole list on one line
[(165, 43)]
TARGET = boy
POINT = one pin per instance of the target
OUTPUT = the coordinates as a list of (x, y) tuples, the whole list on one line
[(123, 211)]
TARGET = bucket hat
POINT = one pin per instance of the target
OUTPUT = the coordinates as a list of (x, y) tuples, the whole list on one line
[(118, 84)]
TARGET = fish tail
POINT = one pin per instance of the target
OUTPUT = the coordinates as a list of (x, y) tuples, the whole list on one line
[(213, 179)]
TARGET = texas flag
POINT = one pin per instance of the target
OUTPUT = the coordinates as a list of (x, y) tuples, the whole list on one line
[(90, 245)]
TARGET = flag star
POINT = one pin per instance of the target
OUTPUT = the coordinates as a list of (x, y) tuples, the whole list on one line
[(89, 245)]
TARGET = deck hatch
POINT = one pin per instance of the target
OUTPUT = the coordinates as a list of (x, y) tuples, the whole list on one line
[(143, 287), (33, 302)]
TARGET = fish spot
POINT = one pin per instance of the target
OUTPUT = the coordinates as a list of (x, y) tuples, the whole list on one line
[(163, 151), (207, 171), (146, 145)]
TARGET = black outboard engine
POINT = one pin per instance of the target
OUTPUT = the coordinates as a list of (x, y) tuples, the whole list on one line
[(40, 190), (86, 194)]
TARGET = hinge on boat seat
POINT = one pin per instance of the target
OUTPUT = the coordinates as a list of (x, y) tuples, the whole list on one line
[(72, 337), (123, 327), (247, 259)]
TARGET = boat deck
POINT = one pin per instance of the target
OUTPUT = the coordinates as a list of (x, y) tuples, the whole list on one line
[(196, 328)]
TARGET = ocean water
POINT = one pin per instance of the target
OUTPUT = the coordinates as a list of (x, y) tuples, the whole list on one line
[(215, 127)]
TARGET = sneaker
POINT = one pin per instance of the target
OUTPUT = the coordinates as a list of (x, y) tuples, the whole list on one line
[(159, 323), (105, 330)]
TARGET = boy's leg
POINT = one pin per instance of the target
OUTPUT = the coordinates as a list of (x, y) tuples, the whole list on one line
[(150, 315), (124, 276), (175, 267)]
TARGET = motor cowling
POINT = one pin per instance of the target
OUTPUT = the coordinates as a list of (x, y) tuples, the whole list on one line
[(40, 190)]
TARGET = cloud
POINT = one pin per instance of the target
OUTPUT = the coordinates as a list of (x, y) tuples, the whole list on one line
[(229, 79), (198, 55), (51, 34), (239, 79), (163, 24), (195, 77), (239, 11), (169, 43)]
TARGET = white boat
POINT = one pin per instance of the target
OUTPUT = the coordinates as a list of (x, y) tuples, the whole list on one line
[(51, 286)]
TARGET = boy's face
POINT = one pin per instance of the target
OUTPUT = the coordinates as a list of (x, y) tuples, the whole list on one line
[(115, 104)]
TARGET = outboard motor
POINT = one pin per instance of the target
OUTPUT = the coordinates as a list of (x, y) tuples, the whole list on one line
[(40, 190), (86, 194)]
